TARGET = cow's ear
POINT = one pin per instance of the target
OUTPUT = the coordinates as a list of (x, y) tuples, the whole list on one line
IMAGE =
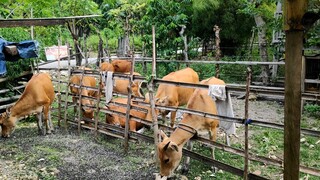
[(174, 146), (163, 135)]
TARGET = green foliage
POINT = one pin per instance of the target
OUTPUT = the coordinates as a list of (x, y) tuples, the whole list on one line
[(312, 110)]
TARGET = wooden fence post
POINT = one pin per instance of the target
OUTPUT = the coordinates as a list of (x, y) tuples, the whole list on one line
[(293, 11), (151, 95), (246, 134), (216, 29)]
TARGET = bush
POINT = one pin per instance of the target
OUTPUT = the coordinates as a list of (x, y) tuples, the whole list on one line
[(312, 110)]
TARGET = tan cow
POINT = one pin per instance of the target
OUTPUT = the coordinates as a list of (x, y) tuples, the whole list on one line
[(36, 98), (121, 85), (172, 95), (121, 66), (170, 149), (88, 81), (120, 120), (105, 66)]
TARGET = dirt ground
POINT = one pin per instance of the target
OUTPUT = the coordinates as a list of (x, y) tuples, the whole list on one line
[(61, 155)]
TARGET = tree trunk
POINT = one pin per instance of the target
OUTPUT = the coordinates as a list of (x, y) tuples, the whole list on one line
[(263, 48)]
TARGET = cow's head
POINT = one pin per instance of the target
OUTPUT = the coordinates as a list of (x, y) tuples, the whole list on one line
[(7, 124), (169, 154), (136, 89), (163, 101)]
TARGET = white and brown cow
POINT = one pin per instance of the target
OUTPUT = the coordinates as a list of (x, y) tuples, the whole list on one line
[(36, 98), (170, 149)]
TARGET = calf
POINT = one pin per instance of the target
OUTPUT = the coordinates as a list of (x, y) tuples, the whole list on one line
[(120, 120), (88, 81), (36, 98), (173, 95), (170, 149)]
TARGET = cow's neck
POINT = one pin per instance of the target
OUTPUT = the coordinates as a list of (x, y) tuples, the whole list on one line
[(23, 107), (180, 136), (183, 134)]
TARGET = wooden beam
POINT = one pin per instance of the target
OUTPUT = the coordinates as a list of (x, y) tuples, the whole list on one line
[(293, 11), (8, 23)]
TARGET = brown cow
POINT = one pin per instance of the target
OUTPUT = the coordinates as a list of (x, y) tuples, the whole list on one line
[(86, 81), (121, 66), (36, 98), (121, 85), (105, 66), (170, 149), (120, 120), (172, 95)]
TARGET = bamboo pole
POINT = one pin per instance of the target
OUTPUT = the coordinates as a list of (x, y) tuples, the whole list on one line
[(80, 104), (151, 95), (67, 93), (216, 29), (246, 134), (97, 117), (126, 134), (59, 85)]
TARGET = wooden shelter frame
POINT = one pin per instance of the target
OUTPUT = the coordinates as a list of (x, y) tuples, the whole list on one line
[(292, 131)]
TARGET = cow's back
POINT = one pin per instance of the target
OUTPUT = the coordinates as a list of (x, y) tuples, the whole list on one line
[(105, 66), (186, 75), (121, 66), (40, 87), (120, 120), (201, 101)]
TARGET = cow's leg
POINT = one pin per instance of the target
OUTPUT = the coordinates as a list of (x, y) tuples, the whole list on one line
[(163, 115), (47, 119), (185, 167), (41, 128), (173, 118), (74, 101), (213, 137)]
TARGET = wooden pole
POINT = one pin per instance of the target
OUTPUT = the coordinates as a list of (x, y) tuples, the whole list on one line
[(79, 100), (126, 131), (59, 84), (216, 29), (293, 11), (67, 93), (246, 133), (151, 95)]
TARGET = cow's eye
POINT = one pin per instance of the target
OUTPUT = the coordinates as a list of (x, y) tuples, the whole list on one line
[(166, 161)]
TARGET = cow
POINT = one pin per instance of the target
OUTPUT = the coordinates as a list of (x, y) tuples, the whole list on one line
[(120, 120), (36, 98), (88, 81), (121, 85), (170, 149), (173, 95), (105, 66), (121, 66)]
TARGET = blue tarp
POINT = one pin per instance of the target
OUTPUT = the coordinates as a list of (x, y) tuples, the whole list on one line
[(26, 49)]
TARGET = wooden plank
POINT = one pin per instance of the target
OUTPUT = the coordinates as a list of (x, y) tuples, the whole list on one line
[(8, 23)]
